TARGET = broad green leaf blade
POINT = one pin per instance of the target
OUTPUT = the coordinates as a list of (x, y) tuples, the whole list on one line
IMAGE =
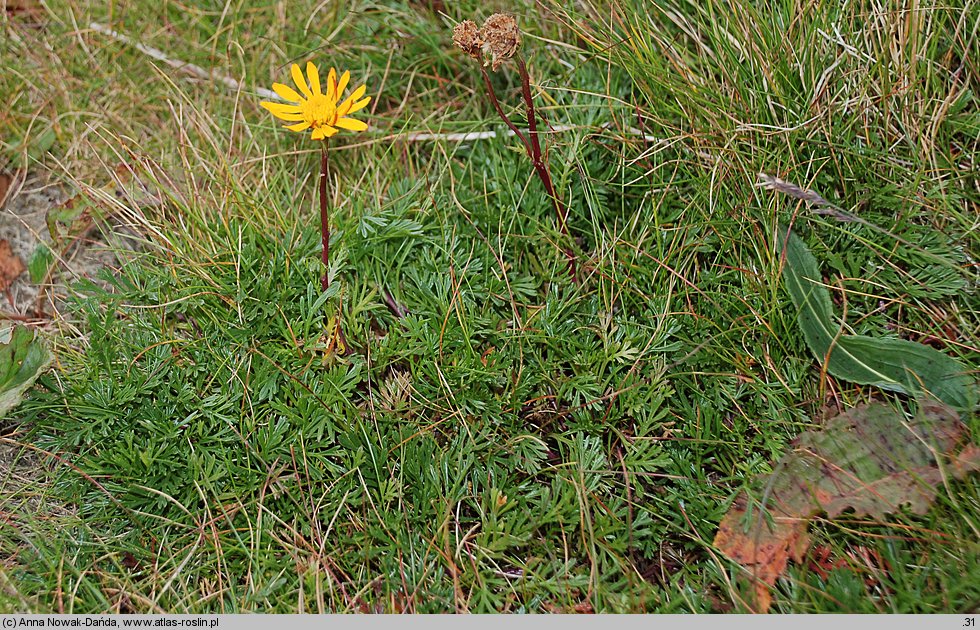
[(893, 364), (802, 277), (22, 359), (907, 367)]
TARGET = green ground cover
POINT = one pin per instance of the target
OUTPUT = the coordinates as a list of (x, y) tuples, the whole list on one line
[(519, 441)]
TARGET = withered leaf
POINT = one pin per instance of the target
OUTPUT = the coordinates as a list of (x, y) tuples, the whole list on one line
[(11, 266), (28, 10), (5, 181), (70, 219), (869, 460)]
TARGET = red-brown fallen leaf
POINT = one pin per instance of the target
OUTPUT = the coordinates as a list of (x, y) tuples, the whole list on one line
[(5, 181), (21, 6), (967, 460), (11, 266), (765, 550), (868, 460), (823, 559), (29, 11), (581, 608)]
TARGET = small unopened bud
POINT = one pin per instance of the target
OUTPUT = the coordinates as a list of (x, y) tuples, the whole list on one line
[(467, 38), (501, 39)]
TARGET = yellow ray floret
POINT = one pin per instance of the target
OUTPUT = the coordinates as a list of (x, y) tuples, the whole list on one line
[(316, 109)]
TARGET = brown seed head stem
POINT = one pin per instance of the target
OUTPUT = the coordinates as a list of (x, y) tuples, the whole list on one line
[(500, 112), (532, 122), (499, 39), (541, 163)]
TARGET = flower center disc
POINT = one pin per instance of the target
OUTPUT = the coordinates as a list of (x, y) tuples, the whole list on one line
[(320, 111)]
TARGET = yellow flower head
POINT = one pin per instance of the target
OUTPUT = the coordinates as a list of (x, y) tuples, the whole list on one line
[(311, 107)]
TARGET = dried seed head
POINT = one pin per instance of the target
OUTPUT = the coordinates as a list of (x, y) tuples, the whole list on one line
[(500, 38), (467, 38)]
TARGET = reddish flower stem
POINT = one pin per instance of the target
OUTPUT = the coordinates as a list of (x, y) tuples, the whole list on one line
[(532, 120), (541, 165), (339, 342), (500, 111), (324, 217), (534, 152)]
